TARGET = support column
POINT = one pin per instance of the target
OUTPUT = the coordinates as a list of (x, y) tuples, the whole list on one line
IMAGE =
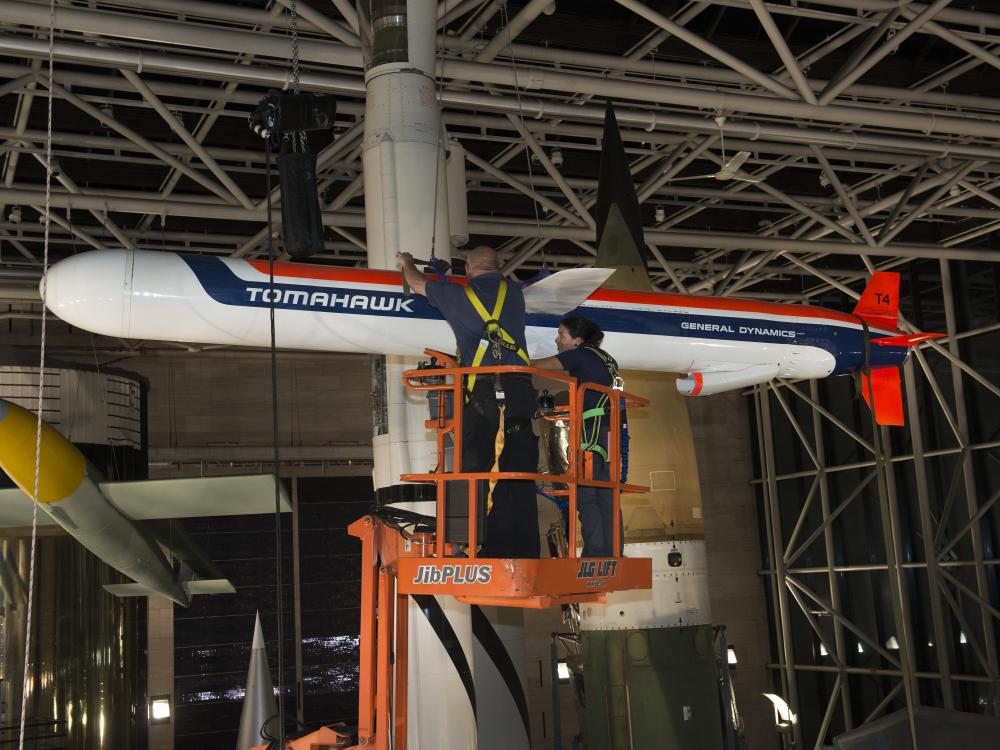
[(889, 501), (927, 533), (831, 558), (297, 602), (786, 647), (160, 667), (968, 474)]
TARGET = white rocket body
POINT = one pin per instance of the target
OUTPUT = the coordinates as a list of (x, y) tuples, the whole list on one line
[(502, 713), (406, 198), (407, 446), (678, 598), (406, 208), (440, 674)]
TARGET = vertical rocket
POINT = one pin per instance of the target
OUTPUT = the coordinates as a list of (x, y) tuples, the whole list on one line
[(406, 208), (673, 619), (260, 710), (406, 202), (465, 690)]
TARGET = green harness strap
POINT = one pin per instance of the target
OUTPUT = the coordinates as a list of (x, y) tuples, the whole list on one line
[(592, 429), (592, 417), (493, 334)]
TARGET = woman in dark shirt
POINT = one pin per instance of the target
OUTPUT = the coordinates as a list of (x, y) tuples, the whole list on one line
[(580, 355)]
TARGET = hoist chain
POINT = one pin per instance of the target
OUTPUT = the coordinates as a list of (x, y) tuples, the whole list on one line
[(293, 14), (298, 139)]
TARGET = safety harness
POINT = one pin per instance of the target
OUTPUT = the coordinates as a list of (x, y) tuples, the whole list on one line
[(494, 337), (593, 417)]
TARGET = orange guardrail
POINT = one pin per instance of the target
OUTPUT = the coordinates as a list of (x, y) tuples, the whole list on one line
[(451, 380)]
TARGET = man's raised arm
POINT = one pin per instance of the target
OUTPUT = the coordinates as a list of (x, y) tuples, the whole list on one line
[(411, 273)]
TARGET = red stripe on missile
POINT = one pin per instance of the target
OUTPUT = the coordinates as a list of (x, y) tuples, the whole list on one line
[(720, 303), (329, 273), (699, 383), (394, 278)]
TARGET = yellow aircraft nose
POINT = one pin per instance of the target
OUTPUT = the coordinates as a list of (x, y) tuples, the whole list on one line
[(63, 467)]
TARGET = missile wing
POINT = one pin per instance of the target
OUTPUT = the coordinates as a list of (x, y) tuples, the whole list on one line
[(122, 522), (564, 291)]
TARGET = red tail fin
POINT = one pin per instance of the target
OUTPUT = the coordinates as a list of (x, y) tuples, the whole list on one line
[(887, 391), (879, 303)]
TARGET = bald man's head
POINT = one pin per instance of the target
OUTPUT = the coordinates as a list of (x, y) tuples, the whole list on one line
[(481, 260)]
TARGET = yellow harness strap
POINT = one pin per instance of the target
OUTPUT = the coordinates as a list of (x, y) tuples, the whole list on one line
[(493, 329)]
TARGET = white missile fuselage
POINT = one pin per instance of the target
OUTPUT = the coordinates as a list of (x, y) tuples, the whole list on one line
[(121, 523), (720, 343), (68, 495)]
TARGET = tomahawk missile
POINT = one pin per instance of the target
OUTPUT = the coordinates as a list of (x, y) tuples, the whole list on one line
[(108, 518), (719, 344)]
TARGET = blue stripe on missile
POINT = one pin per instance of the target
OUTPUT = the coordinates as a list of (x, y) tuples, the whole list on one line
[(227, 288), (845, 344)]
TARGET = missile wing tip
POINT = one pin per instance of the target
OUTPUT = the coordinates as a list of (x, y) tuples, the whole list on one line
[(191, 588), (884, 388), (908, 340), (208, 586), (130, 589)]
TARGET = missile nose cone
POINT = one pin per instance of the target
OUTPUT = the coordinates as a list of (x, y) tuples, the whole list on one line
[(91, 290), (258, 634), (63, 466)]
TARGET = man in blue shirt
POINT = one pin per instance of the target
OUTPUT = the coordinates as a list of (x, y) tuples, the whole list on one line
[(487, 318)]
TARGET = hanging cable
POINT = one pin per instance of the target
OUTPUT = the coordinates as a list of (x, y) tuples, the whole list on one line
[(283, 120), (527, 148), (41, 379), (278, 553), (438, 156), (277, 452), (435, 265)]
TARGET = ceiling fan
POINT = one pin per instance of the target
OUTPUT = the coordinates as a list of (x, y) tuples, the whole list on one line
[(730, 168)]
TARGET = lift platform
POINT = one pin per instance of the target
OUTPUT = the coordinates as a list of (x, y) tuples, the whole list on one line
[(400, 559), (434, 568)]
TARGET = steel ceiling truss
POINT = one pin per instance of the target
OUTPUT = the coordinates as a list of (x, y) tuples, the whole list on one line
[(840, 129), (782, 116)]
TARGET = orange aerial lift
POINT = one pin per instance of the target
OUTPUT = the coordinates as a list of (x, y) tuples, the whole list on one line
[(397, 562)]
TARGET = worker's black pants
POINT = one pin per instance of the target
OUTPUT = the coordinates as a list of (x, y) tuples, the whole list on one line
[(512, 523)]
